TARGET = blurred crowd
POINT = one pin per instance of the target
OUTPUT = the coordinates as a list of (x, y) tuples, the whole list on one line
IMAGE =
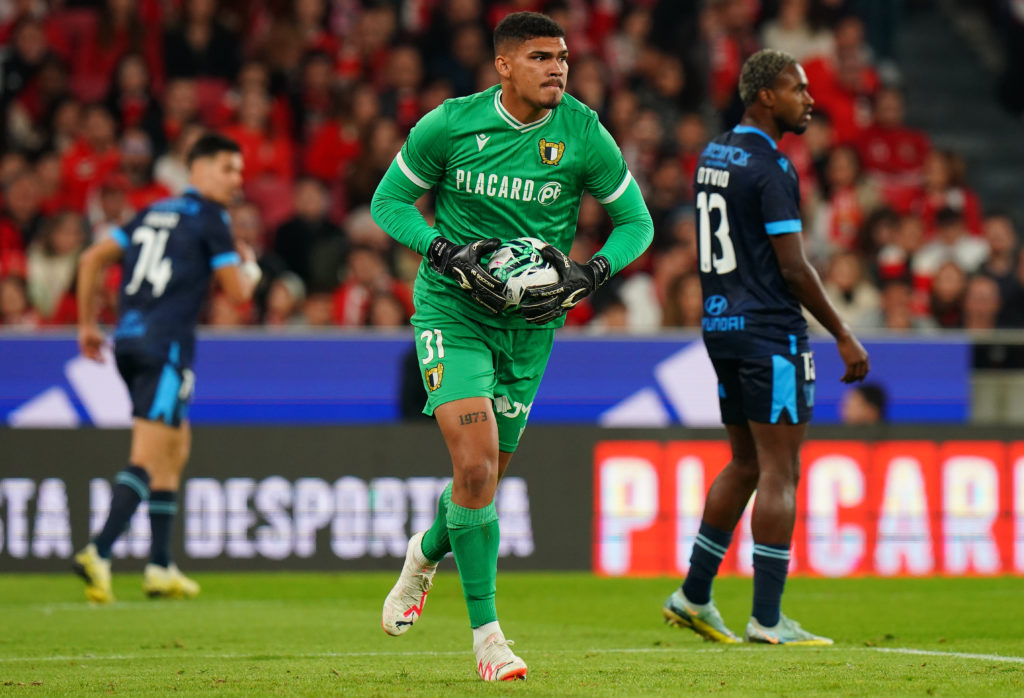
[(101, 100)]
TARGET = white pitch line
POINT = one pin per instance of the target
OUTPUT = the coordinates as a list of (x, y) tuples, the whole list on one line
[(267, 656), (940, 653)]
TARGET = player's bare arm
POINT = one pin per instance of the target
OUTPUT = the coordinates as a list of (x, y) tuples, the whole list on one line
[(90, 269), (806, 285), (239, 281)]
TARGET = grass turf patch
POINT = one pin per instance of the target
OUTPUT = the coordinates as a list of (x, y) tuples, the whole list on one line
[(318, 633)]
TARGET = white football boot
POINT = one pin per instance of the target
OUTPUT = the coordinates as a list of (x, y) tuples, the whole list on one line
[(495, 660), (404, 604)]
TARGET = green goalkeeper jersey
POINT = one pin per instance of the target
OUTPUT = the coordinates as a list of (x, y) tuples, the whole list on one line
[(497, 177)]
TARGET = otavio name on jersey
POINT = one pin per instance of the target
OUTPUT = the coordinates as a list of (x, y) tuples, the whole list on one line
[(713, 177)]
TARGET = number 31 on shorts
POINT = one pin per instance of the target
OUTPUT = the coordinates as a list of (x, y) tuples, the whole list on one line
[(434, 336)]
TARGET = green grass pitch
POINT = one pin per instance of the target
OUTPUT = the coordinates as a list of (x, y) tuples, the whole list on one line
[(319, 634)]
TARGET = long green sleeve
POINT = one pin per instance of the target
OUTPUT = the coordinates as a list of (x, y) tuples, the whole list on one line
[(394, 211), (609, 180), (633, 231), (415, 170)]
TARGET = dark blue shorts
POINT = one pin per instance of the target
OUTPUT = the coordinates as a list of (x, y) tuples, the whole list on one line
[(160, 390), (777, 389)]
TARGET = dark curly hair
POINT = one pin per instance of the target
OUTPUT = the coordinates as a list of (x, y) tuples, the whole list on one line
[(523, 26), (760, 71)]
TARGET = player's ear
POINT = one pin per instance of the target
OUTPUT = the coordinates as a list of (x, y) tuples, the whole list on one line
[(501, 64), (766, 96)]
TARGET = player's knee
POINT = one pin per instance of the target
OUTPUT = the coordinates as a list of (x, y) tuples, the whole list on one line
[(746, 468), (477, 477)]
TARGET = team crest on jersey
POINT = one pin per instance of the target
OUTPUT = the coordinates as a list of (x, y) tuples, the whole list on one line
[(551, 152), (434, 376)]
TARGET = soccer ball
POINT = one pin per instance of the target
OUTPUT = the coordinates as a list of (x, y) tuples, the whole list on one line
[(518, 265)]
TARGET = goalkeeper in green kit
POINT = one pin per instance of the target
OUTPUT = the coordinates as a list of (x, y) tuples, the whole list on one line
[(509, 162)]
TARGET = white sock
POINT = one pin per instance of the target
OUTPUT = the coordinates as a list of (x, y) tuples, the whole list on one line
[(485, 631)]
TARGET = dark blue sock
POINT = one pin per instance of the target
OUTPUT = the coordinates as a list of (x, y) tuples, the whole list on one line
[(131, 486), (162, 508), (708, 551), (771, 565)]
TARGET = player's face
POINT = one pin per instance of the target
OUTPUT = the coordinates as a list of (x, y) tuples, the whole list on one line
[(220, 177), (793, 100), (536, 70)]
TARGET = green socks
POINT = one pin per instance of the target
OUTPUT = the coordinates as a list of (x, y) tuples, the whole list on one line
[(474, 539), (435, 544)]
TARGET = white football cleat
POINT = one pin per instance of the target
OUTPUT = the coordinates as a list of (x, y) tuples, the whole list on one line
[(168, 583), (95, 570), (404, 604), (495, 660), (786, 632)]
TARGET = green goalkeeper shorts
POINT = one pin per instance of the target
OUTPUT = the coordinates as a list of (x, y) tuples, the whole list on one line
[(461, 359)]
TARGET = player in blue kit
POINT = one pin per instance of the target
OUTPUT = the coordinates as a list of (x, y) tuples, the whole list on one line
[(168, 253), (755, 276)]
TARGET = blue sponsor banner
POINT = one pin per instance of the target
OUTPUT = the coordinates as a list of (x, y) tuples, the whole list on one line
[(358, 378)]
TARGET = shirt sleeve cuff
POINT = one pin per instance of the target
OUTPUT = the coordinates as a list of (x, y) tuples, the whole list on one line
[(792, 225), (121, 238), (225, 259)]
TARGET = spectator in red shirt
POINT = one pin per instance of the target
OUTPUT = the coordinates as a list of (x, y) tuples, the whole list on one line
[(400, 99), (199, 46), (28, 115), (849, 197), (981, 303), (665, 91), (118, 31), (52, 262), (21, 62), (370, 39), (944, 188), (131, 97), (51, 195), (459, 60), (108, 207), (15, 310), (380, 146), (34, 10), (893, 151), (897, 309), (313, 102), (285, 297), (253, 74), (171, 169), (1002, 250), (367, 275), (137, 169), (952, 243), (180, 107), (20, 219), (732, 40), (843, 84), (309, 18), (684, 302), (947, 295), (266, 152), (387, 310), (310, 244), (335, 144), (65, 125), (91, 158), (622, 49), (691, 136)]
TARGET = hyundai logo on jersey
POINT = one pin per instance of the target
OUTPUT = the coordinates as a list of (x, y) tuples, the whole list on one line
[(716, 305)]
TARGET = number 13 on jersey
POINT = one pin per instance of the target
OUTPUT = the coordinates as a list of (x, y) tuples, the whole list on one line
[(727, 261)]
